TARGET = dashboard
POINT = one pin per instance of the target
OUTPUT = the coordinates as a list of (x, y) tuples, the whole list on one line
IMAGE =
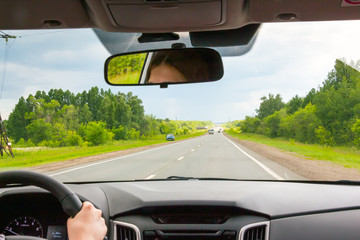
[(194, 210), (36, 214)]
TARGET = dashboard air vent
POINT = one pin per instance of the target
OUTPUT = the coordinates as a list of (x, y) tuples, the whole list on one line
[(126, 231), (151, 1), (257, 231), (190, 218)]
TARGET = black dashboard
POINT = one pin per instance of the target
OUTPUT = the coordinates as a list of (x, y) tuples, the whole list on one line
[(32, 213), (198, 210)]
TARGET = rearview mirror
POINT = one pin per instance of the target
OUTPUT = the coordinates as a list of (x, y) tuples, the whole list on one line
[(163, 67)]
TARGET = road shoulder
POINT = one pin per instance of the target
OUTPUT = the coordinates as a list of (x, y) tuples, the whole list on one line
[(307, 168)]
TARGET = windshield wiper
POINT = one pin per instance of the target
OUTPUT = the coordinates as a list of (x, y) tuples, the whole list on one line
[(348, 182), (194, 178), (180, 178)]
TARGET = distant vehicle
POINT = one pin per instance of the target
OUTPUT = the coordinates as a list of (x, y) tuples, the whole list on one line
[(211, 131), (219, 131), (170, 137)]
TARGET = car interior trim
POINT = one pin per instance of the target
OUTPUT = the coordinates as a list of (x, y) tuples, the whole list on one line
[(258, 224), (128, 225)]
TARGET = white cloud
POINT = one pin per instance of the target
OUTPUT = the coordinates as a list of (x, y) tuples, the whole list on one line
[(92, 51)]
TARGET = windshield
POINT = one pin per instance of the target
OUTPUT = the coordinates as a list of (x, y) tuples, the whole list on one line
[(289, 109)]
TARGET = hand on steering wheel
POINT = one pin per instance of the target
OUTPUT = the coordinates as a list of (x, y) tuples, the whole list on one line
[(70, 202)]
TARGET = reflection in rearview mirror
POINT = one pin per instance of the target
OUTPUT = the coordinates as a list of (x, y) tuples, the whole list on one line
[(168, 66), (126, 69)]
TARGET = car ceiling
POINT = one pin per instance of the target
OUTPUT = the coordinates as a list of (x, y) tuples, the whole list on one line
[(229, 26)]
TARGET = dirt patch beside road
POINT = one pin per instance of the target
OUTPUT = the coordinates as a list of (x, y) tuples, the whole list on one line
[(310, 169)]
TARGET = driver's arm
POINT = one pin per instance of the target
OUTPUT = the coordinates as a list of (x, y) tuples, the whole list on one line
[(87, 224)]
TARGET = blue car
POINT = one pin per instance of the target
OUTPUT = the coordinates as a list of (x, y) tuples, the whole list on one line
[(170, 137)]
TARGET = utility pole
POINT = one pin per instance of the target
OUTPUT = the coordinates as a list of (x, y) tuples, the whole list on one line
[(6, 36), (5, 145)]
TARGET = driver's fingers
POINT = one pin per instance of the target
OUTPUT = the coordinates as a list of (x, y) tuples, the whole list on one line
[(88, 206), (99, 213)]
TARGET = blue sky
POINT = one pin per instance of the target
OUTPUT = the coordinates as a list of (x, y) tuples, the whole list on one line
[(287, 58)]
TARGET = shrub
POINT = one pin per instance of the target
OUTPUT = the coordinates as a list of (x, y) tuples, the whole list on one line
[(96, 133), (21, 143), (356, 131), (120, 133), (73, 139), (324, 136), (30, 143), (133, 134)]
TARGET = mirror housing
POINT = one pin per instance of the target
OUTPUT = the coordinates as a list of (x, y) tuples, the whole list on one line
[(163, 67)]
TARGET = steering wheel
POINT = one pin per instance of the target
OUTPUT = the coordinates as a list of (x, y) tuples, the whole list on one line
[(70, 202)]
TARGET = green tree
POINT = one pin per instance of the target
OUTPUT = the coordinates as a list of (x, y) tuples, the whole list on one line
[(301, 125), (269, 105), (107, 112), (93, 100), (294, 104), (337, 107), (122, 111), (84, 114), (137, 110), (70, 117), (250, 124), (16, 124), (39, 130), (270, 125)]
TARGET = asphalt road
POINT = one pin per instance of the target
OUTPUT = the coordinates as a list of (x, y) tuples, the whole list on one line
[(208, 156)]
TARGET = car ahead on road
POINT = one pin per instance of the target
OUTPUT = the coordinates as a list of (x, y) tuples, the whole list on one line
[(177, 191), (170, 137), (211, 131)]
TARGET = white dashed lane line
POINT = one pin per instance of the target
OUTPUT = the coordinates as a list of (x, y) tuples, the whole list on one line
[(180, 158)]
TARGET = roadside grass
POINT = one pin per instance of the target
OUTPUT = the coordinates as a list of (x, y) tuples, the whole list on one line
[(345, 156), (39, 156), (129, 78)]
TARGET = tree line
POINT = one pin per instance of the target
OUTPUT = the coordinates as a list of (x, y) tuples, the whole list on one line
[(329, 115), (61, 118)]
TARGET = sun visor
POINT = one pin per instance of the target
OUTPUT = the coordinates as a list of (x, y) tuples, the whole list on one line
[(165, 14)]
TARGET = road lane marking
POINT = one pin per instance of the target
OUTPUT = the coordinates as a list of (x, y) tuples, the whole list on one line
[(150, 177), (268, 170), (117, 158), (192, 150), (180, 158)]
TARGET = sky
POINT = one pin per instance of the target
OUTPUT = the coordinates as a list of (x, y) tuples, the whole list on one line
[(287, 59)]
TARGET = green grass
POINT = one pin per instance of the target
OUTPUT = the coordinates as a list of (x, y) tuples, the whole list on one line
[(130, 78), (48, 155), (345, 156)]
